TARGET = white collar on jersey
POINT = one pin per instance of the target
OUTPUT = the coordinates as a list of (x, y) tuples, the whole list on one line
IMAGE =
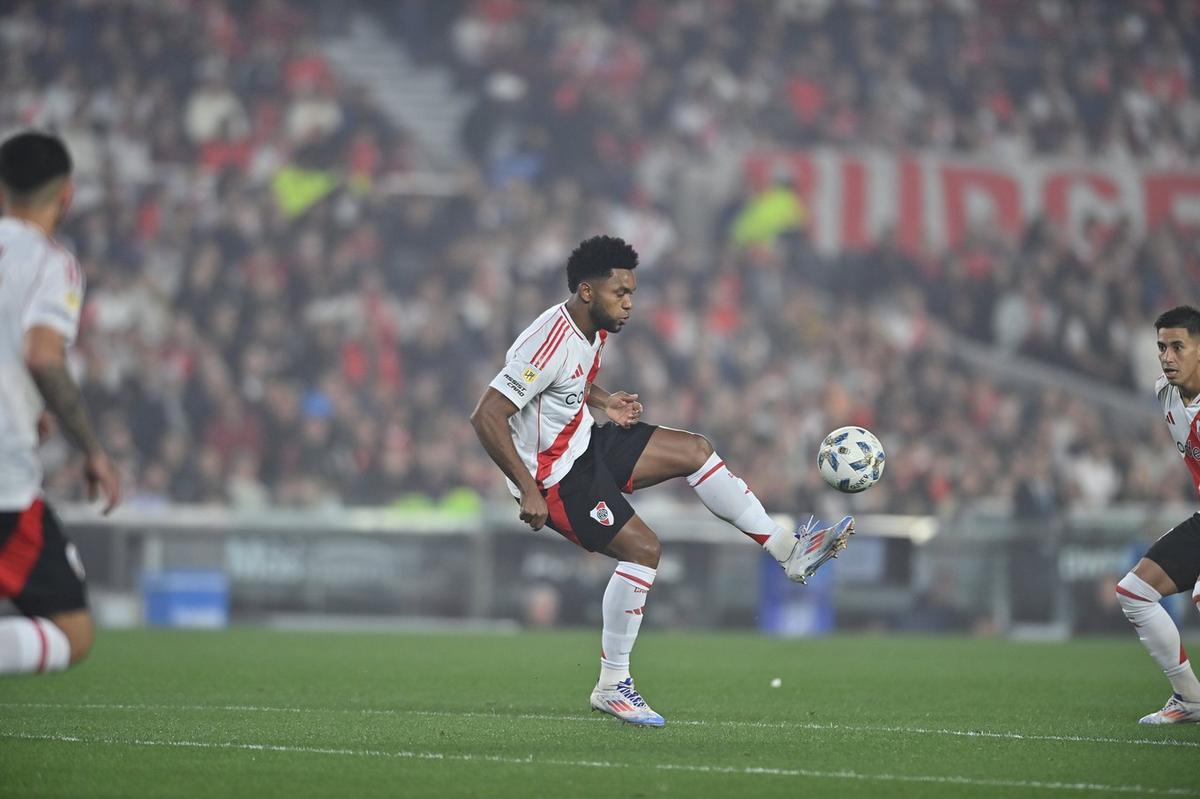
[(563, 307)]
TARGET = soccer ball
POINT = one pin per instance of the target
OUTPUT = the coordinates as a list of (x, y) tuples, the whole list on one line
[(851, 459)]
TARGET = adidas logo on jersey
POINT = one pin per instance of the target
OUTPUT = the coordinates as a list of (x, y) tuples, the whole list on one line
[(602, 514), (578, 371)]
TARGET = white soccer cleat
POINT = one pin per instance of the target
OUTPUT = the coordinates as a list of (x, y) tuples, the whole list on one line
[(623, 701), (801, 553), (1175, 711)]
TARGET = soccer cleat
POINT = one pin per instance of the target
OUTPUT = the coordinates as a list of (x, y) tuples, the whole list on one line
[(623, 701), (801, 553), (1175, 711)]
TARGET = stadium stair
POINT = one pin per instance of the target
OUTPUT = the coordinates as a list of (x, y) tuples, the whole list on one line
[(419, 99)]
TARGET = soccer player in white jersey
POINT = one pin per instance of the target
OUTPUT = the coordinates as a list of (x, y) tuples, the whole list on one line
[(41, 290), (569, 473), (1172, 564)]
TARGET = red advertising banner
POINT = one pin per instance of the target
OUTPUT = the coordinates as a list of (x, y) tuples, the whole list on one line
[(932, 201)]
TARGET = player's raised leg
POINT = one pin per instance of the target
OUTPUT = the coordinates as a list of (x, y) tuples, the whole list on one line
[(677, 453), (637, 550), (1139, 593)]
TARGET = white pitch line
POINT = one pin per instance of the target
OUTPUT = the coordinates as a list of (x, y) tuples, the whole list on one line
[(466, 714), (530, 760)]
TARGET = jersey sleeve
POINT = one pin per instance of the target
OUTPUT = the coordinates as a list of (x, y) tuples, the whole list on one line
[(57, 297), (1161, 385), (533, 367)]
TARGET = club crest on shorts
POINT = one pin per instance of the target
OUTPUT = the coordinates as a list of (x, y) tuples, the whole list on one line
[(75, 561), (602, 514)]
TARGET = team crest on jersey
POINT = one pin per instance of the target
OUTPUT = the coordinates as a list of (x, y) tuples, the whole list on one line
[(530, 374), (602, 514)]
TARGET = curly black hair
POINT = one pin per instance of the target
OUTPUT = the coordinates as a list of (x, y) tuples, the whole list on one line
[(597, 257), (1184, 316)]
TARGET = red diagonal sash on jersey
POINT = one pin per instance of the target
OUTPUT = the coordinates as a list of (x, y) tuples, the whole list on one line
[(1193, 445), (548, 457)]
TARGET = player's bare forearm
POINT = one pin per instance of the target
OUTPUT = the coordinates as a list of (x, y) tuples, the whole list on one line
[(490, 420), (63, 398), (597, 398), (620, 406)]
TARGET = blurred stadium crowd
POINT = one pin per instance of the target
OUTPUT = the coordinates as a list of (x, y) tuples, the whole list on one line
[(271, 320)]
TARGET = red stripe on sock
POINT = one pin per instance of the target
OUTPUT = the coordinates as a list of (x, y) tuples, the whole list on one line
[(760, 538), (708, 474), (1182, 655), (45, 645), (1121, 590), (637, 580)]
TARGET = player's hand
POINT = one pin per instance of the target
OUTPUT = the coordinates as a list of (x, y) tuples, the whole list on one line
[(534, 510), (102, 478), (45, 427), (623, 408)]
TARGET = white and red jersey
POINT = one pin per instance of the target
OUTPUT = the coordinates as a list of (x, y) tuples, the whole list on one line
[(548, 373), (1184, 423), (41, 284)]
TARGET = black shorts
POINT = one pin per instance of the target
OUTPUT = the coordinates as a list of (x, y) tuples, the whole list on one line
[(1178, 553), (587, 506), (40, 570)]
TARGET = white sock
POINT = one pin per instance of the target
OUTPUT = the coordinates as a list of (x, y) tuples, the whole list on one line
[(31, 645), (1158, 634), (726, 495), (624, 600)]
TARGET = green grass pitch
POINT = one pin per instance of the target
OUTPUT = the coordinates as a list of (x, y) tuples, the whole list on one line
[(256, 713)]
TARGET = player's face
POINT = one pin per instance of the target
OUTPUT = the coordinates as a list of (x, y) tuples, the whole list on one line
[(1179, 356), (612, 300)]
